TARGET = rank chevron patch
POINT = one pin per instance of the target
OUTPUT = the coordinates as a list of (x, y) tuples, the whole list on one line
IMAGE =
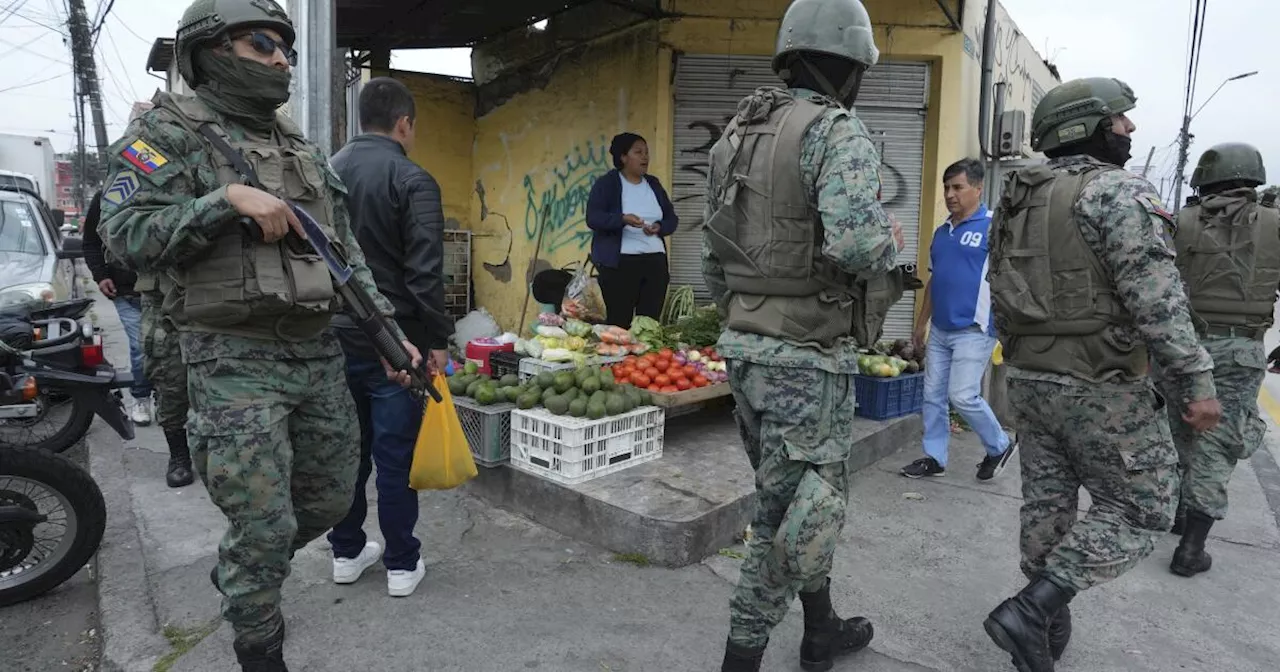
[(122, 188)]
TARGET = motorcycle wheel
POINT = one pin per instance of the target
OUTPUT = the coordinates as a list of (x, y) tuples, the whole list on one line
[(35, 560), (62, 422)]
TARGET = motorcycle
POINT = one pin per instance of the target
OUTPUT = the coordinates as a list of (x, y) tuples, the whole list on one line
[(52, 517), (54, 377)]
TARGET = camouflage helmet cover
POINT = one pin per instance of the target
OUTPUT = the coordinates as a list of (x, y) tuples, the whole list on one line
[(206, 20)]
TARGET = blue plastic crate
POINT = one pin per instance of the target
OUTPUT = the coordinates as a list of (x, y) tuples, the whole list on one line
[(885, 398)]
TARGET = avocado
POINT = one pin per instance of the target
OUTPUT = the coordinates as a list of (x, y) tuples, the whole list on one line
[(606, 380), (511, 393), (578, 407), (595, 410), (457, 387), (509, 380), (527, 401), (470, 368), (557, 405), (563, 382), (486, 396), (615, 404), (472, 387), (590, 385), (571, 394), (546, 379), (598, 397), (547, 394)]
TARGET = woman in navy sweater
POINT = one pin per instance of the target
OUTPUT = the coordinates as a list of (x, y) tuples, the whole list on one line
[(630, 215)]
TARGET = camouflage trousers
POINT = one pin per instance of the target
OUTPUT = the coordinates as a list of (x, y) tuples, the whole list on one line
[(1115, 443), (277, 445), (1208, 459), (796, 425), (162, 364)]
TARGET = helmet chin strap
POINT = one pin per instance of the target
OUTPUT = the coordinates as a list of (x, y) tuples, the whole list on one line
[(847, 93)]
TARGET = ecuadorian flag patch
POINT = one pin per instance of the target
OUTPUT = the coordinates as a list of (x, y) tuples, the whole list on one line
[(144, 156), (122, 188)]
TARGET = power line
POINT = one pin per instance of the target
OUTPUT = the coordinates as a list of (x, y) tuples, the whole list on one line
[(24, 85)]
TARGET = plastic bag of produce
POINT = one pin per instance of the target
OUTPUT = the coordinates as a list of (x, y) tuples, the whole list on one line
[(577, 328), (477, 324), (553, 332), (582, 299), (441, 456)]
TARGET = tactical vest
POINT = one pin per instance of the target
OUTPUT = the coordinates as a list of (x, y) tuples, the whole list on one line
[(769, 238), (1229, 257), (279, 290), (1056, 302)]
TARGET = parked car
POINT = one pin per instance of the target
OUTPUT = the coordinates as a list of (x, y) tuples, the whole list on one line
[(36, 260)]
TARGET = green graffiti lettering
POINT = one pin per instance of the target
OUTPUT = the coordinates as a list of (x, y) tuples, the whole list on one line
[(565, 202)]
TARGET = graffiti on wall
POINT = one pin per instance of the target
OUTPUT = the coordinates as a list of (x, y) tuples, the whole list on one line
[(555, 215), (696, 162)]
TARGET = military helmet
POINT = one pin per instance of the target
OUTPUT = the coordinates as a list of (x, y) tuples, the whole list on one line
[(1071, 112), (1229, 162), (840, 28), (207, 20)]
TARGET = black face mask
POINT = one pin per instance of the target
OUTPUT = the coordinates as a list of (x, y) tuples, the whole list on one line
[(1116, 148)]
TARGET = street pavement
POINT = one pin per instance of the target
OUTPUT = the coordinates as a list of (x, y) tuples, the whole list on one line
[(925, 560)]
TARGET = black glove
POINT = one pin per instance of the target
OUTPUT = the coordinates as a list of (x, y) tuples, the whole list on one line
[(1273, 359)]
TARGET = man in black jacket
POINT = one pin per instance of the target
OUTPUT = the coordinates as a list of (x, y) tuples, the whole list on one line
[(398, 221), (117, 283)]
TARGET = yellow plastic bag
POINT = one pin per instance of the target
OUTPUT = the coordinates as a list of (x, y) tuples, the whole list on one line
[(997, 355), (441, 457)]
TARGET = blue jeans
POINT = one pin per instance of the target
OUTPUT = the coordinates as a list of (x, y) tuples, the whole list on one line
[(389, 419), (129, 308), (953, 368)]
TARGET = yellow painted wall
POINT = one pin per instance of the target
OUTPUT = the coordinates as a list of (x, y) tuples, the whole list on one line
[(444, 138), (545, 147)]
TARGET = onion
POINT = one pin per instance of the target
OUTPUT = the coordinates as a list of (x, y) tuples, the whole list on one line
[(680, 358)]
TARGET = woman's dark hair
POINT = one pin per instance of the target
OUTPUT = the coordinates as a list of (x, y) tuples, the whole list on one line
[(622, 143)]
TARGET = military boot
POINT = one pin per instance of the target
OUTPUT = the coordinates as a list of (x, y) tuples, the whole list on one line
[(180, 472), (826, 635), (1060, 632), (1020, 625), (1190, 557), (264, 656), (741, 659)]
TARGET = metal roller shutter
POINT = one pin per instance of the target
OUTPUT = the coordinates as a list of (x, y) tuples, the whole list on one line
[(891, 103)]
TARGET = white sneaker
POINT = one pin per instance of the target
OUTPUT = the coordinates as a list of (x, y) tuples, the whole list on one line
[(402, 583), (141, 412), (348, 570)]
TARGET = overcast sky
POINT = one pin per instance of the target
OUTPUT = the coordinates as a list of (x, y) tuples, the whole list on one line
[(1143, 42)]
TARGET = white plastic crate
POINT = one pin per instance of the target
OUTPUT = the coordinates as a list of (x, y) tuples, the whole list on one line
[(570, 450), (530, 367), (488, 430)]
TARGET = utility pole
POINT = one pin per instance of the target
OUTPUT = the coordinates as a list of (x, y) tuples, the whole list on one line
[(1147, 167), (87, 74), (1184, 145)]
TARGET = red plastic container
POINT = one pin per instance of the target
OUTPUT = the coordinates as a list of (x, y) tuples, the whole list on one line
[(478, 351)]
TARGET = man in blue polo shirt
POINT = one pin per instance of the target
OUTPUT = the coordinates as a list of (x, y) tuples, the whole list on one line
[(957, 302)]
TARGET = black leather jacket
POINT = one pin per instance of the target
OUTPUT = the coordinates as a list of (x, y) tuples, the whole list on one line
[(398, 220), (94, 257)]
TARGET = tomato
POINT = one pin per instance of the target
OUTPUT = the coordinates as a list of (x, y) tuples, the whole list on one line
[(666, 353), (683, 384), (654, 388), (641, 380), (676, 373), (652, 372), (670, 389), (700, 381), (690, 371), (662, 379), (662, 364)]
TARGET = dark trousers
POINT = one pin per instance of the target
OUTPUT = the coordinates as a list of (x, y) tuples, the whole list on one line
[(638, 286), (389, 419)]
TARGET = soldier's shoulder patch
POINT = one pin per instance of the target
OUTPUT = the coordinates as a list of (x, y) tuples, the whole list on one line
[(1162, 220), (122, 188), (143, 156)]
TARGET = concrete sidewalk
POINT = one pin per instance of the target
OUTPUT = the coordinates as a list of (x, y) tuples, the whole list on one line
[(924, 560)]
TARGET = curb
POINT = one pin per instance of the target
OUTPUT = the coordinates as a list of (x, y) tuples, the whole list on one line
[(130, 635)]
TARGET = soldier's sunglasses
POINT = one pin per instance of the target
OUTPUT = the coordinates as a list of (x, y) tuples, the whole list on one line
[(264, 44)]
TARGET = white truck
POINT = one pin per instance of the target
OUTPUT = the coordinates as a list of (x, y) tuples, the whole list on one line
[(32, 157)]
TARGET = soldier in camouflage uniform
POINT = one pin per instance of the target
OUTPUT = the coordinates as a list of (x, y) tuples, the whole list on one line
[(1084, 285), (162, 364), (272, 425), (796, 165), (1229, 256)]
